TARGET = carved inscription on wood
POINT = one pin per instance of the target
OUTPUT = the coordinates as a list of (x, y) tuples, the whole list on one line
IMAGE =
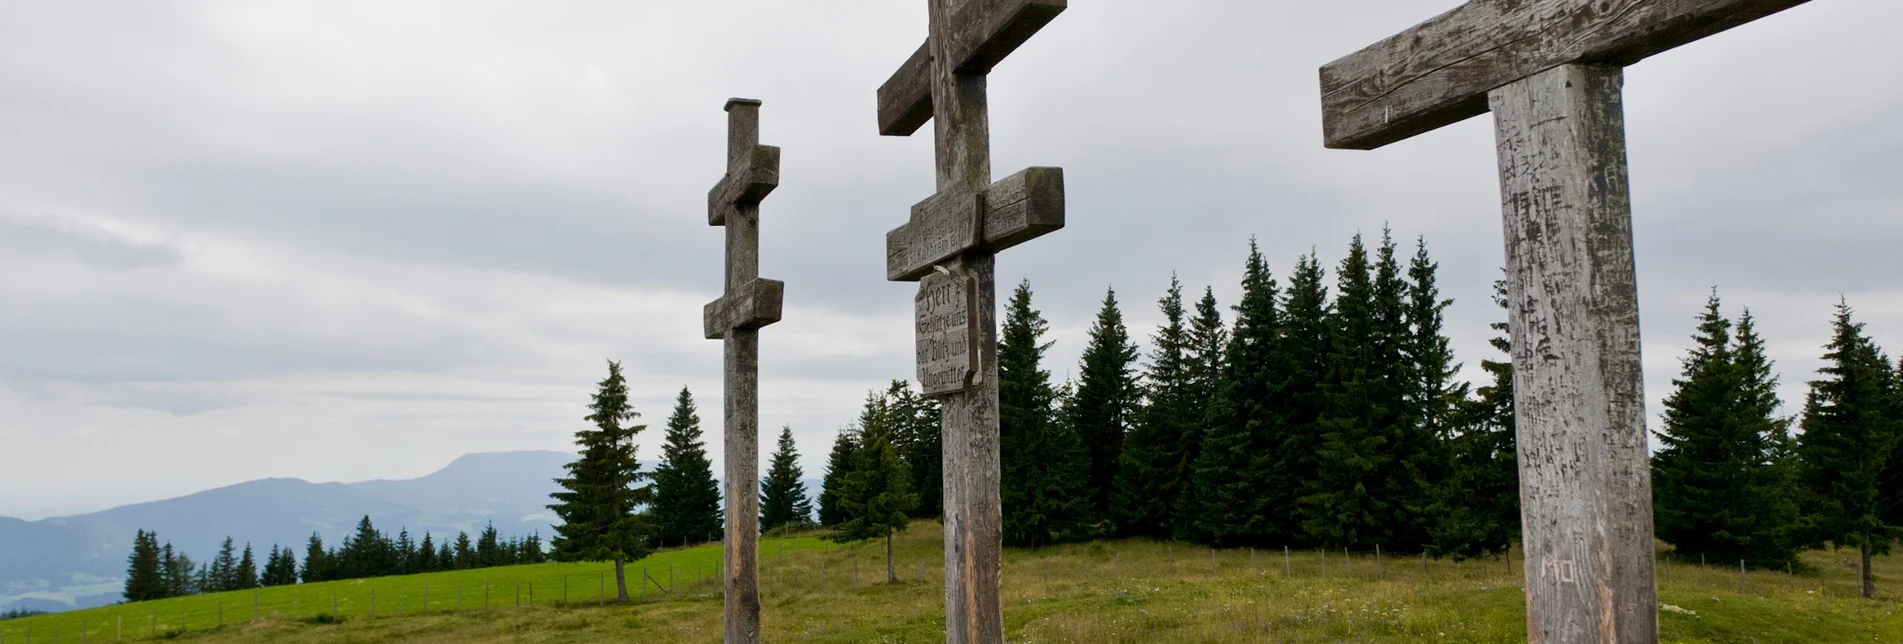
[(941, 227), (947, 309)]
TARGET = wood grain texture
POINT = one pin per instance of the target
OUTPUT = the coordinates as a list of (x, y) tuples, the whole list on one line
[(1012, 211), (740, 552), (751, 306), (1585, 484), (981, 33), (974, 546), (1439, 72), (749, 303)]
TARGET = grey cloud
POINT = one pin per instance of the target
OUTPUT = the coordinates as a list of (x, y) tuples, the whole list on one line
[(23, 235), (444, 146)]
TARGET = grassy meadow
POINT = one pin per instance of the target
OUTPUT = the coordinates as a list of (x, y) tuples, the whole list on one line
[(1119, 591)]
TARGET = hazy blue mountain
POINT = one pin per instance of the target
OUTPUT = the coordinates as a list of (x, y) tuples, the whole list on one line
[(63, 563), (78, 561)]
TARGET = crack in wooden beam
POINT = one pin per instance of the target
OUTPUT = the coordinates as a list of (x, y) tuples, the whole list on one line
[(1439, 72), (988, 30)]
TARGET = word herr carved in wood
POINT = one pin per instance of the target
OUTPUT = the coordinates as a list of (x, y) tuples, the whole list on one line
[(750, 302), (960, 230), (947, 329)]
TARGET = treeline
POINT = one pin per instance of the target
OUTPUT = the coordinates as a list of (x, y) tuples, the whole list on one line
[(157, 571), (371, 553), (1731, 482), (1303, 420), (1333, 417)]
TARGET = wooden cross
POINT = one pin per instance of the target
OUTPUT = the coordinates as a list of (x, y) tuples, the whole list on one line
[(949, 246), (750, 302), (1550, 71)]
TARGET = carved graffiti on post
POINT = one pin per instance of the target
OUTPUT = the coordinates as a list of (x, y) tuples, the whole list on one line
[(947, 308), (960, 230), (1549, 70)]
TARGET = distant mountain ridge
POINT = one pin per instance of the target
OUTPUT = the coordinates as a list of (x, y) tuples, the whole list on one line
[(63, 563), (77, 561)]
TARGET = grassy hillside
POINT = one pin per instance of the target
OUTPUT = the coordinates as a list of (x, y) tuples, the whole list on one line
[(1133, 591)]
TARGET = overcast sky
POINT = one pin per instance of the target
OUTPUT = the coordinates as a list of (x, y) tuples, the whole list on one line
[(350, 240)]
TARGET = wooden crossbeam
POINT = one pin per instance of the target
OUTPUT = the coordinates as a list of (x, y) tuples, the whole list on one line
[(1012, 211), (1439, 72), (985, 32), (749, 180), (749, 306)]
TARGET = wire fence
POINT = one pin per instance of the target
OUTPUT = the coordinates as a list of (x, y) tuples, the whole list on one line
[(804, 571)]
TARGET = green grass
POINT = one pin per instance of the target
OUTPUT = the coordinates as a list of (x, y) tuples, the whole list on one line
[(1124, 591)]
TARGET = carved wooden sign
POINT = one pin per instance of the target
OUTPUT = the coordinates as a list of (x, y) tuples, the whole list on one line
[(947, 332)]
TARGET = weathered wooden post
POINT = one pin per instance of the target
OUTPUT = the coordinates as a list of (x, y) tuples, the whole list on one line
[(1550, 71), (750, 302), (949, 246)]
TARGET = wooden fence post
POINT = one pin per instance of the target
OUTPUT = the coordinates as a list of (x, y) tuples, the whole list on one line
[(1288, 567), (1377, 563), (1741, 576)]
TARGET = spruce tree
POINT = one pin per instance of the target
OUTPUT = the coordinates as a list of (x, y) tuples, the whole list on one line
[(1891, 481), (1042, 464), (245, 575), (1303, 356), (1430, 396), (686, 505), (1714, 494), (1399, 492), (1107, 400), (188, 576), (1849, 432), (465, 554), (426, 555), (1244, 423), (446, 558), (1774, 473), (1203, 369), (877, 494), (1477, 512), (315, 566), (223, 573), (838, 466), (405, 553), (782, 495), (168, 571), (142, 569), (360, 551), (916, 435), (600, 494), (489, 547), (275, 573), (1146, 483), (1343, 505)]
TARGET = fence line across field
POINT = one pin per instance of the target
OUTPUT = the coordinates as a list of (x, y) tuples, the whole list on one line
[(802, 572)]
